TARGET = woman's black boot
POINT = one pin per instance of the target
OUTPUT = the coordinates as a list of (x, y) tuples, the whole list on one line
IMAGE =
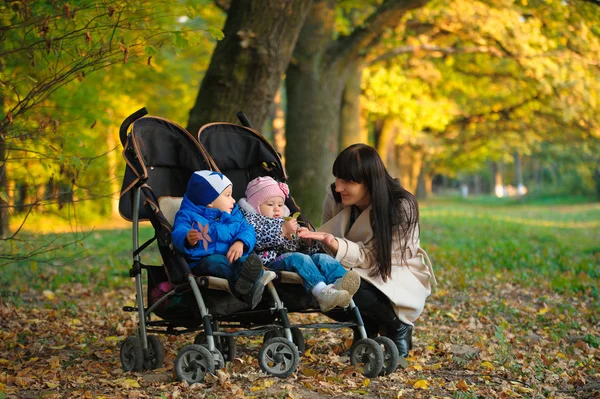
[(391, 326), (401, 334)]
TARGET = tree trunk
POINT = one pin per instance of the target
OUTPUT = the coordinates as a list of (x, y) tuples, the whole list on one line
[(424, 182), (115, 187), (352, 129), (4, 226), (278, 125), (519, 173), (312, 135), (315, 82), (247, 66), (386, 140), (499, 180)]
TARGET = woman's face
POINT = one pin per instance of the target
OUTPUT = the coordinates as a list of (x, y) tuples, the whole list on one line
[(353, 193)]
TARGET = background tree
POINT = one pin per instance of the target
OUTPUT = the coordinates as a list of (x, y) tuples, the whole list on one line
[(70, 73), (247, 66), (315, 81)]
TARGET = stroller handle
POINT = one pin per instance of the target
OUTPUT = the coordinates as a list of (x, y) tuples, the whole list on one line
[(128, 121), (244, 119)]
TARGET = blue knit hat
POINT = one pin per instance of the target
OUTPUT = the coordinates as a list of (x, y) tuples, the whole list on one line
[(205, 186)]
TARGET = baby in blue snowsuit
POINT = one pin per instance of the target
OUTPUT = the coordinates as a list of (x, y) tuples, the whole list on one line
[(215, 239)]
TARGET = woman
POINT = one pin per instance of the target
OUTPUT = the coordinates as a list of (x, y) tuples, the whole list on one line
[(371, 225)]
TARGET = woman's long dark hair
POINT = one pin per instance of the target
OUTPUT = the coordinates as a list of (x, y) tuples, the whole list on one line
[(394, 211)]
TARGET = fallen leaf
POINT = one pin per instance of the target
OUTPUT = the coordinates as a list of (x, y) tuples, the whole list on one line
[(421, 384)]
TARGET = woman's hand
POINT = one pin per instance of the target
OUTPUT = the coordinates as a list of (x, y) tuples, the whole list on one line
[(304, 230), (235, 251), (326, 238), (289, 227)]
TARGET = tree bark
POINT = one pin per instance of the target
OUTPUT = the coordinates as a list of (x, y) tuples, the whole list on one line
[(4, 224), (278, 125), (315, 82), (247, 66), (424, 183), (352, 129)]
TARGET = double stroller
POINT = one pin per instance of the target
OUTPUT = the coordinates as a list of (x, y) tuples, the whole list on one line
[(160, 157)]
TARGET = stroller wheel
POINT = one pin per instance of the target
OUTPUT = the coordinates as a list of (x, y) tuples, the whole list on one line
[(297, 337), (391, 357), (192, 363), (155, 353), (132, 354), (366, 355), (278, 357), (225, 344)]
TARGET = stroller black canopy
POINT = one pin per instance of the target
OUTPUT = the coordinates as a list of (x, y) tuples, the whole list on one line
[(160, 153), (241, 154)]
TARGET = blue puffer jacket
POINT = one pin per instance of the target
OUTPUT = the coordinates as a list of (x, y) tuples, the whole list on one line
[(221, 230)]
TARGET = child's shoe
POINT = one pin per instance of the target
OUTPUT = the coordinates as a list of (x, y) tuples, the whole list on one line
[(267, 277), (330, 297), (350, 282), (251, 270)]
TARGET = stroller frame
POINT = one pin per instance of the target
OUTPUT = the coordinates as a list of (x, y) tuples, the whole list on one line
[(279, 354)]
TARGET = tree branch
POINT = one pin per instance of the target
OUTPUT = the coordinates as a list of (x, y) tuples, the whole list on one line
[(428, 48), (348, 48)]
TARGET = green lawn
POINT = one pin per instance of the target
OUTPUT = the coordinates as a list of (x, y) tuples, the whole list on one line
[(532, 244), (555, 244)]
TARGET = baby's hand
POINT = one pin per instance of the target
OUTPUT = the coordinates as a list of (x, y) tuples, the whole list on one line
[(235, 251), (193, 236), (289, 227)]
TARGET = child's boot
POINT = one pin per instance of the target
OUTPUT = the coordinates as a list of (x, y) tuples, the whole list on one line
[(330, 297), (251, 270), (350, 282)]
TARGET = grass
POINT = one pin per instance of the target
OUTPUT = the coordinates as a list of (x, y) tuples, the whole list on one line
[(554, 244), (557, 244)]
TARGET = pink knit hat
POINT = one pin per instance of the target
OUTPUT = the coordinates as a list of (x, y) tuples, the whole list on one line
[(262, 188)]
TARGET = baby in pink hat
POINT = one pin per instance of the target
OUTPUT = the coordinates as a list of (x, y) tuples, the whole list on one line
[(280, 249)]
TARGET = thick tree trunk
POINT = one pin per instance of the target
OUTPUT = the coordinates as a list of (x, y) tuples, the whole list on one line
[(247, 66), (312, 135), (315, 82), (352, 129)]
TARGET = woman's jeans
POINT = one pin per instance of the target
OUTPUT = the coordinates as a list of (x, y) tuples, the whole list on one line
[(218, 266), (312, 269)]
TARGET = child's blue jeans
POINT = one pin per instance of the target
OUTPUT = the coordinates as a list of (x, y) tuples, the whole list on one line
[(218, 266), (312, 269)]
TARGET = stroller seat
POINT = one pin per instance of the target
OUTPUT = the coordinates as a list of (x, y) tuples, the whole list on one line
[(169, 207)]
